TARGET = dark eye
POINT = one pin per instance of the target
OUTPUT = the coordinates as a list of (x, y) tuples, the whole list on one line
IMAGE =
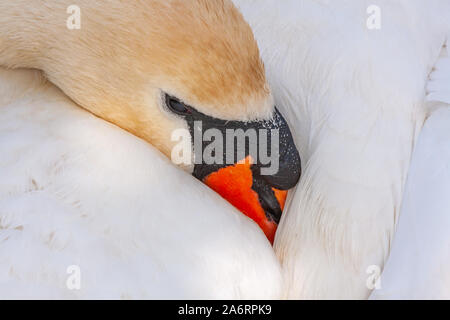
[(177, 106)]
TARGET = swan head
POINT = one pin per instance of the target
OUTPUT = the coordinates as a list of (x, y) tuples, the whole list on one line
[(159, 69)]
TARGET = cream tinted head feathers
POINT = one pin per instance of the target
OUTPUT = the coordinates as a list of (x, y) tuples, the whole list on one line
[(127, 52)]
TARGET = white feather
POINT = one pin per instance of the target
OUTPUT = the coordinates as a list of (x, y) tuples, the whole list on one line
[(356, 99), (439, 84), (76, 190), (419, 263)]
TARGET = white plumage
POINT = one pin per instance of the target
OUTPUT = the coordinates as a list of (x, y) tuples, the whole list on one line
[(438, 86), (355, 97), (76, 190), (419, 263)]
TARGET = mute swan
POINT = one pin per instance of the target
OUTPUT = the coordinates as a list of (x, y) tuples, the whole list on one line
[(78, 192), (355, 99), (186, 62), (419, 263)]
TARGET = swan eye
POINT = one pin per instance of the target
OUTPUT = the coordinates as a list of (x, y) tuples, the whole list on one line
[(177, 106)]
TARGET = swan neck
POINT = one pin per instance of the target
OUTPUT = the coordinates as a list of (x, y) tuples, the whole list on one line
[(26, 29)]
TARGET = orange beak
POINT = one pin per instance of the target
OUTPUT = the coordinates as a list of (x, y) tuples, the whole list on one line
[(234, 183)]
